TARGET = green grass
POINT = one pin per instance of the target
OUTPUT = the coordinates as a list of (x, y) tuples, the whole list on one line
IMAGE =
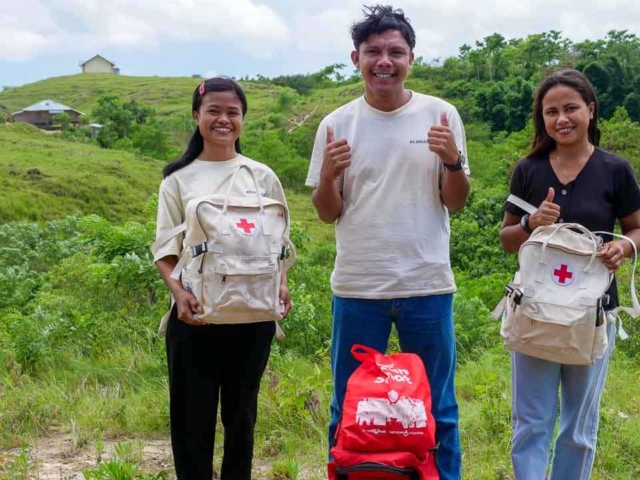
[(484, 397), (171, 96), (167, 95), (125, 394), (303, 211), (45, 178)]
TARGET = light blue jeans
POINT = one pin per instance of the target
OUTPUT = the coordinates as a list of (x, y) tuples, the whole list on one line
[(535, 384), (425, 327)]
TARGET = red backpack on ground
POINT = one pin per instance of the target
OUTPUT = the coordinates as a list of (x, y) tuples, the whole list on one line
[(387, 430)]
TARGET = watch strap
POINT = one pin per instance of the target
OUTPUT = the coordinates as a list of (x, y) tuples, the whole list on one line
[(456, 166), (524, 223)]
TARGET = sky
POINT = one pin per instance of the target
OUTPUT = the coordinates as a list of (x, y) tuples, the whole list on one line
[(47, 38)]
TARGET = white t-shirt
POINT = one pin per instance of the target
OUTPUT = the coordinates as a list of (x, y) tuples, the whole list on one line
[(201, 178), (393, 234)]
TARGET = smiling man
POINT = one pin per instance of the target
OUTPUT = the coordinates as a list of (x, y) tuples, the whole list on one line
[(387, 168)]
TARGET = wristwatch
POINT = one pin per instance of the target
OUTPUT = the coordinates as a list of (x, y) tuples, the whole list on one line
[(524, 223), (456, 166)]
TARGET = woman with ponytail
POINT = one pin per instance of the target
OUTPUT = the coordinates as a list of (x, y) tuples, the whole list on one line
[(212, 363)]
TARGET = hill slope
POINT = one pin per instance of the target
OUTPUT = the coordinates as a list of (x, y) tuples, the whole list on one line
[(168, 95), (44, 178), (171, 96)]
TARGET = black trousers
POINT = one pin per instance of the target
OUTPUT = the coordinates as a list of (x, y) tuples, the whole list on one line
[(208, 364)]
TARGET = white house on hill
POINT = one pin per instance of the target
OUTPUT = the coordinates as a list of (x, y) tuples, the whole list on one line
[(41, 114), (99, 64)]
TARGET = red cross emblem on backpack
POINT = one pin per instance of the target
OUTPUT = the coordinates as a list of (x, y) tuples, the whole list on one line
[(563, 275), (246, 227)]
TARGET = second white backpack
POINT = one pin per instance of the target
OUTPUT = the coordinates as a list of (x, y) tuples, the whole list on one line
[(553, 308)]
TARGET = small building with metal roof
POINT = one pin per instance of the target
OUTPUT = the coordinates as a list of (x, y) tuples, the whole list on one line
[(41, 114)]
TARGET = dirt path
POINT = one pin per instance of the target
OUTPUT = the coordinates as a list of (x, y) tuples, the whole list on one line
[(59, 458)]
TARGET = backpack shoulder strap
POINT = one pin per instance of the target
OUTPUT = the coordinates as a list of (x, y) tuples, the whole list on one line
[(634, 311), (518, 202), (168, 235)]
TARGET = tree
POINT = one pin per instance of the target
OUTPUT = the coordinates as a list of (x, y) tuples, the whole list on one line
[(152, 140), (617, 88), (119, 120), (598, 76), (518, 100), (62, 119), (112, 114), (632, 106), (331, 73), (493, 45)]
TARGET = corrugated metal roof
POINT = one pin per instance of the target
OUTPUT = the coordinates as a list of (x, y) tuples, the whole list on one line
[(50, 106)]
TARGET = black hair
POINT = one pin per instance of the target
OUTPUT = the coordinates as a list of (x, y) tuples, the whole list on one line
[(542, 143), (196, 143), (379, 19)]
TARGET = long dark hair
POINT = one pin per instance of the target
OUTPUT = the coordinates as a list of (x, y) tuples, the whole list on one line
[(196, 143), (542, 143)]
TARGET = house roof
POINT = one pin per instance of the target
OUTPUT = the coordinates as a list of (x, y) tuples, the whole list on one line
[(48, 106), (98, 56)]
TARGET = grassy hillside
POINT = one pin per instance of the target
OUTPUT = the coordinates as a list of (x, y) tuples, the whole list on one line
[(168, 95), (270, 106), (44, 177), (279, 127)]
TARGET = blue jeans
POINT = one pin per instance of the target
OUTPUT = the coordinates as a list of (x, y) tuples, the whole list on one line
[(535, 384), (425, 327)]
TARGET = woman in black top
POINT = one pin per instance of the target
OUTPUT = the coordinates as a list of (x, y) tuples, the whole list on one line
[(573, 181)]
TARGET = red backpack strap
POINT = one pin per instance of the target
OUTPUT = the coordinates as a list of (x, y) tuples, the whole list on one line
[(363, 353)]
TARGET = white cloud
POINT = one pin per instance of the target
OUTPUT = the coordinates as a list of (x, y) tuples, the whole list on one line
[(26, 29), (442, 27), (17, 43), (323, 31), (290, 33), (72, 25)]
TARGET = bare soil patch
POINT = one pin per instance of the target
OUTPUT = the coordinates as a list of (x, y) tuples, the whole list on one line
[(58, 457)]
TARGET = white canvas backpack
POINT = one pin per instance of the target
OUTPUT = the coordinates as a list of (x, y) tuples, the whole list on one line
[(234, 251), (553, 308)]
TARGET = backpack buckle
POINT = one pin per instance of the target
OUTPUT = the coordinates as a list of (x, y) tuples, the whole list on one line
[(199, 249), (602, 301), (517, 297)]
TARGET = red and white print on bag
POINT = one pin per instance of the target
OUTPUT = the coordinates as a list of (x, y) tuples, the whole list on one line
[(386, 417)]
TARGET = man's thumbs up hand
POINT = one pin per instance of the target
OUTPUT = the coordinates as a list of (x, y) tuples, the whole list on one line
[(337, 156), (442, 141)]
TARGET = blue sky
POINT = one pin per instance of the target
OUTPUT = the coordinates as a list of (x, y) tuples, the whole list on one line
[(47, 38)]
